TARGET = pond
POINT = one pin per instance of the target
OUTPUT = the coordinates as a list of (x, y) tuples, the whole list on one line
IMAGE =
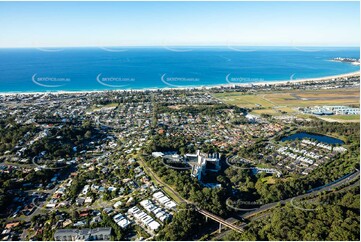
[(318, 137)]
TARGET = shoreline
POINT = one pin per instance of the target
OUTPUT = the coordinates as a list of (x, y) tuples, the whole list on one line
[(263, 83), (350, 74)]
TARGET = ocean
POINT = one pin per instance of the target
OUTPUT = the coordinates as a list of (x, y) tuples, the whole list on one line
[(113, 68)]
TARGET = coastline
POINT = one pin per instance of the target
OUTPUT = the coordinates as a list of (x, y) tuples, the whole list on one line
[(356, 73), (276, 82)]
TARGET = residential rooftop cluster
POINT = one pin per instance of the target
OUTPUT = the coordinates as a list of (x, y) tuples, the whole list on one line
[(83, 234), (72, 167), (301, 156), (227, 128)]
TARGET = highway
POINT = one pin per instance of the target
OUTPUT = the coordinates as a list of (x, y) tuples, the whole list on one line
[(327, 187), (251, 215), (339, 182)]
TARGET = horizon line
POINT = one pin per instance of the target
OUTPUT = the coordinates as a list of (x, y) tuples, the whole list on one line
[(183, 46)]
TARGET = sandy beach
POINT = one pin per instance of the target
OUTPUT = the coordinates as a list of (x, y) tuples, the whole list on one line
[(356, 73), (299, 81)]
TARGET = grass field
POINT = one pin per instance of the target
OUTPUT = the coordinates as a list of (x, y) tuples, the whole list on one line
[(346, 117), (295, 98), (316, 97), (343, 118), (99, 107), (248, 101), (269, 111), (287, 101), (268, 180)]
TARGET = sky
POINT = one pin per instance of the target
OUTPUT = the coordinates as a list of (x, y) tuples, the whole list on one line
[(74, 24)]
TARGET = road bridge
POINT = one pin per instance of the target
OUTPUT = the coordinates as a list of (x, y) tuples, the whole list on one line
[(221, 221)]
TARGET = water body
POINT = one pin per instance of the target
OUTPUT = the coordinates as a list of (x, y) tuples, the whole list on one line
[(318, 137), (92, 69)]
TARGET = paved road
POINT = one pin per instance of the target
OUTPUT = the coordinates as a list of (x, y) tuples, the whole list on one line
[(324, 188), (260, 209), (355, 184), (155, 176), (251, 215)]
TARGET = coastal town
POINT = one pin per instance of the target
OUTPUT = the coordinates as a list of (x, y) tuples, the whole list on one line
[(83, 166), (180, 120)]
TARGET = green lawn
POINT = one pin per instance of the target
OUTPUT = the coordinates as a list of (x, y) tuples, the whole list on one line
[(347, 117), (292, 98)]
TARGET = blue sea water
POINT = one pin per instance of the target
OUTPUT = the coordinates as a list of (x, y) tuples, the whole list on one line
[(89, 69)]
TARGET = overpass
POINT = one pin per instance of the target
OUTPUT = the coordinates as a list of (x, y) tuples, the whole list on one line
[(207, 214), (221, 221)]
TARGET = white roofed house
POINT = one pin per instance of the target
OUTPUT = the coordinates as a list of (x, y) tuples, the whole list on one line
[(339, 149), (52, 203), (158, 194), (121, 220), (85, 189), (159, 213), (164, 200), (117, 204), (170, 205), (143, 218), (61, 191), (102, 233), (88, 200), (153, 225), (157, 154)]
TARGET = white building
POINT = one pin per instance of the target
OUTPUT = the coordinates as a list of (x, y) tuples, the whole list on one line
[(85, 189), (158, 212), (143, 218), (121, 220), (201, 163), (329, 110), (157, 154), (164, 200)]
